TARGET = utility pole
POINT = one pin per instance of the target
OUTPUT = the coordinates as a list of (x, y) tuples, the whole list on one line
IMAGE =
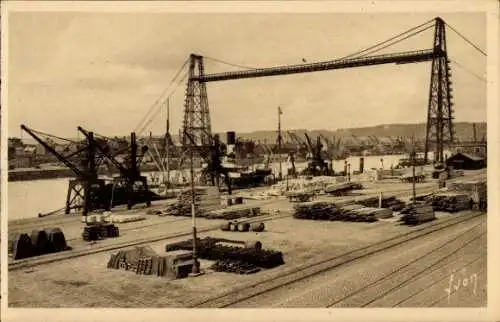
[(413, 157), (196, 268), (280, 175), (167, 144)]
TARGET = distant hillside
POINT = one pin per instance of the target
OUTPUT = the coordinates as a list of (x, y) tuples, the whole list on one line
[(463, 131)]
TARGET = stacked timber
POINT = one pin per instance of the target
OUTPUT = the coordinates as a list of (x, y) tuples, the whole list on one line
[(450, 201), (390, 202), (477, 189), (418, 213), (340, 189), (235, 212), (205, 199), (343, 212)]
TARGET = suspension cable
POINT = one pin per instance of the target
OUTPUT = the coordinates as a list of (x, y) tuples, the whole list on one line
[(390, 39), (467, 40), (469, 71), (395, 42), (151, 118), (162, 94), (227, 63)]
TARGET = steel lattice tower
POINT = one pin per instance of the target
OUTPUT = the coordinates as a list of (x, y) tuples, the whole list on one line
[(196, 113), (440, 130)]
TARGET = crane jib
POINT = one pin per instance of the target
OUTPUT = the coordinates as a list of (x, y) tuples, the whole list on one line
[(397, 58)]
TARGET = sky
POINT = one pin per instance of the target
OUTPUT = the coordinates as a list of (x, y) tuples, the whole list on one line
[(104, 71)]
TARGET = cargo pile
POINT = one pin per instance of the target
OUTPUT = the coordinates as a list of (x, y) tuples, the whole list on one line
[(477, 191), (182, 206), (234, 266), (391, 202), (40, 242), (450, 201), (418, 213), (234, 212), (100, 231), (341, 189), (145, 261), (215, 249), (347, 212)]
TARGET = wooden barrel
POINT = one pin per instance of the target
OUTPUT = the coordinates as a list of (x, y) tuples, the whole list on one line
[(244, 226), (225, 226), (257, 226), (233, 226), (253, 244)]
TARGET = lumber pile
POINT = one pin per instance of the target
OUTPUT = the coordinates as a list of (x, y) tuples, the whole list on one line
[(450, 201), (40, 242), (477, 189), (390, 202), (145, 261), (344, 212), (339, 189), (205, 199), (418, 213), (217, 250), (234, 212)]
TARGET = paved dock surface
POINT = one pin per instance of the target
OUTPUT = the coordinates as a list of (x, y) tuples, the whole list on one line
[(443, 269)]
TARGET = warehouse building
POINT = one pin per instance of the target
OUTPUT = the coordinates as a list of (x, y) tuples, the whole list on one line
[(466, 161)]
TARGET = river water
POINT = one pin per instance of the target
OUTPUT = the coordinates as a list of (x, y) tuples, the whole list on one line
[(29, 198)]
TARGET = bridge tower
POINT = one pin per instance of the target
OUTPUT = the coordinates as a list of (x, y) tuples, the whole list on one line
[(440, 131), (196, 122)]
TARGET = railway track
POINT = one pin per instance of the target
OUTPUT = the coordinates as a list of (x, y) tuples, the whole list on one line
[(46, 259), (236, 297)]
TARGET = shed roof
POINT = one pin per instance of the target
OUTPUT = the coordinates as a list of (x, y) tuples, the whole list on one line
[(469, 156)]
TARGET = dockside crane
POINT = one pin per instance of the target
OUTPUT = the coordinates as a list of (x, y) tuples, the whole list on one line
[(86, 191), (130, 185), (130, 182)]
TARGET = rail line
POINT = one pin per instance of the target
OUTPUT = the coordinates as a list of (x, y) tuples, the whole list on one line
[(361, 292), (46, 259), (300, 273)]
